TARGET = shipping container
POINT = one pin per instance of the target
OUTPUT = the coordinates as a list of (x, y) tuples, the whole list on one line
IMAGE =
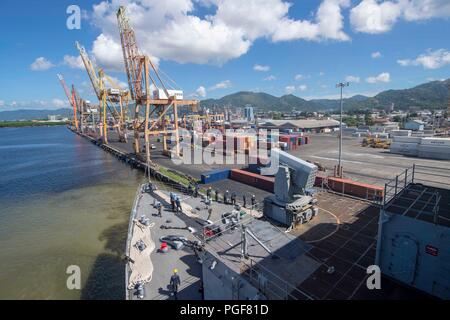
[(406, 133), (253, 179), (403, 139), (436, 141), (161, 94), (215, 175), (353, 188)]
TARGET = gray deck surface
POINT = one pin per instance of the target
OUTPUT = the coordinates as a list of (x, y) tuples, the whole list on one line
[(184, 260)]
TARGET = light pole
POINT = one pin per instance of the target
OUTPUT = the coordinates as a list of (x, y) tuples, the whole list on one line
[(341, 85)]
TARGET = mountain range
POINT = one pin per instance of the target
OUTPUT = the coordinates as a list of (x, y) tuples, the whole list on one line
[(431, 95), (19, 115)]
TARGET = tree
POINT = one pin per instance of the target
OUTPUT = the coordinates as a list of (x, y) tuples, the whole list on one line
[(368, 119), (397, 119)]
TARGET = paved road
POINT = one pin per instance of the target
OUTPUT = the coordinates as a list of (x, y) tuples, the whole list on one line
[(364, 164)]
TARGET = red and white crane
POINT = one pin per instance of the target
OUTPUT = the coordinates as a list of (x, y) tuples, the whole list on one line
[(72, 100)]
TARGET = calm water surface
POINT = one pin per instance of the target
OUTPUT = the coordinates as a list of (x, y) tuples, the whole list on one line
[(63, 201)]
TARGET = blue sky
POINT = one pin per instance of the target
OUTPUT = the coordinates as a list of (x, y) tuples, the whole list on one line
[(211, 50)]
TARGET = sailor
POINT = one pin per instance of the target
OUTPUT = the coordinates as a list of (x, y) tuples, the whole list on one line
[(217, 195), (174, 283), (225, 197), (159, 207), (172, 201), (190, 188), (196, 190), (244, 198), (233, 198), (178, 202), (209, 213), (164, 247), (253, 201), (208, 193)]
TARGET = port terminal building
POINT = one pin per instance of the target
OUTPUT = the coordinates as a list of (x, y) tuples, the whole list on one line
[(303, 125)]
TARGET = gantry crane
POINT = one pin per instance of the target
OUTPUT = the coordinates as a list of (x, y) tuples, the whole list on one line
[(86, 113), (72, 100), (142, 74), (209, 119), (108, 99)]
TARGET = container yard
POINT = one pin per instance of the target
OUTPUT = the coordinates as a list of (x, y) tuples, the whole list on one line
[(308, 231)]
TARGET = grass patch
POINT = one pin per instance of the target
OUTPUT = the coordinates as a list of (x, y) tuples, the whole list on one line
[(17, 124), (182, 179)]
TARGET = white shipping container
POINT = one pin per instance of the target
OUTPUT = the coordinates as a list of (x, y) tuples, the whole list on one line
[(410, 149), (404, 145), (434, 155), (402, 139), (436, 141), (161, 94), (406, 152), (401, 133), (430, 148)]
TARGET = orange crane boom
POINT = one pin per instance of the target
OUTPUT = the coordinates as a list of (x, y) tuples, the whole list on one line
[(141, 74), (72, 100)]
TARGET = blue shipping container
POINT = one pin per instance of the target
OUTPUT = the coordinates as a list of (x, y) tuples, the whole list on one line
[(215, 175)]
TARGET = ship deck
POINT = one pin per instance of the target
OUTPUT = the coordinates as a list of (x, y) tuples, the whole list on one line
[(342, 237), (194, 210)]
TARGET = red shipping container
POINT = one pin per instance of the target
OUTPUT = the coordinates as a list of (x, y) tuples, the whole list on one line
[(354, 188), (253, 179)]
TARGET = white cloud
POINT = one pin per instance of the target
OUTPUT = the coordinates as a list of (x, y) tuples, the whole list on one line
[(303, 87), (258, 67), (374, 16), (114, 82), (321, 73), (434, 79), (108, 53), (170, 29), (201, 91), (299, 77), (384, 77), (289, 89), (58, 103), (353, 79), (376, 55), (35, 104), (429, 60), (41, 64), (221, 85), (327, 24), (2, 103), (73, 62), (270, 78)]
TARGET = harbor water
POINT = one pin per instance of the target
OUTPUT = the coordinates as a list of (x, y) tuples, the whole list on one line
[(63, 202)]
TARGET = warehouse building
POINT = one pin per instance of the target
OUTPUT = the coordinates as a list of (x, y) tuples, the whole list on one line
[(415, 125), (306, 125)]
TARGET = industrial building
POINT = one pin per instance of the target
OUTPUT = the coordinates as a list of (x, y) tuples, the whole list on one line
[(415, 125), (306, 125), (249, 113)]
